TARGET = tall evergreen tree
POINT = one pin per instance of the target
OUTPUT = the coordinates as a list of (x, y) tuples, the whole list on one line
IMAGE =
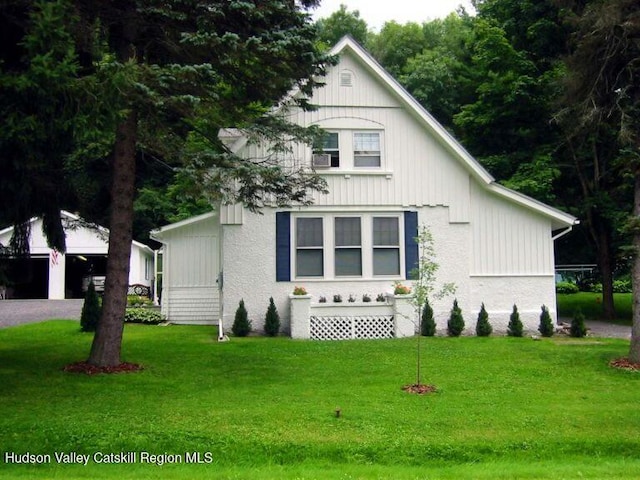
[(160, 79)]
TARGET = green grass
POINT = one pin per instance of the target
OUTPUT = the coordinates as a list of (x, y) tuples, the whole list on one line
[(591, 305), (265, 407)]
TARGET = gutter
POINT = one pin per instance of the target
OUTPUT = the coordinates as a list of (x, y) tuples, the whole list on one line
[(565, 231)]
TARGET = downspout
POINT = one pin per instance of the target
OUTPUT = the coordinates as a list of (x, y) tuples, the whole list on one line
[(565, 231), (220, 281)]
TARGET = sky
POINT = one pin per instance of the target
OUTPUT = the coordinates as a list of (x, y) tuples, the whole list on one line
[(376, 12)]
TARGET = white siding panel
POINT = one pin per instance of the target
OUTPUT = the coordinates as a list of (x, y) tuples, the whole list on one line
[(508, 240), (365, 90), (192, 305), (193, 259), (231, 214)]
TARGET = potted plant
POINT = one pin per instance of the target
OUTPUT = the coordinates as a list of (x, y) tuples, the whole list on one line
[(299, 291)]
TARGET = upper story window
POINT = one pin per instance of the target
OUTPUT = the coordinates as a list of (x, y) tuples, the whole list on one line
[(366, 149), (330, 146), (349, 149)]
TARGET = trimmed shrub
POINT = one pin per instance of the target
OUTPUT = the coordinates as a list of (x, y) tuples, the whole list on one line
[(241, 324), (566, 287), (428, 324), (515, 327), (138, 301), (578, 328), (455, 325), (148, 316), (91, 310), (483, 327), (272, 320), (546, 325)]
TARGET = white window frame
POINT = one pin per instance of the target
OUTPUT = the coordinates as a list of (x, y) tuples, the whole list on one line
[(329, 247), (296, 247), (332, 151), (367, 153), (346, 151)]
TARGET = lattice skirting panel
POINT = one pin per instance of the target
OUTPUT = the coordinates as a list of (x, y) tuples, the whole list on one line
[(351, 327)]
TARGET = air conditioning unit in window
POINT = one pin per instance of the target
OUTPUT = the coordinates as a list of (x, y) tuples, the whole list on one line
[(321, 160)]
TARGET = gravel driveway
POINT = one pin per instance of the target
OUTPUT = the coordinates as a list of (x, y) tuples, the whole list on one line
[(17, 312)]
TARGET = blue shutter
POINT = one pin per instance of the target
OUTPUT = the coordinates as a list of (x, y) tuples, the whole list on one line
[(283, 246), (410, 244)]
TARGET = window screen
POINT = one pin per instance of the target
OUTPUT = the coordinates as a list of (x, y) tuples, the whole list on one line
[(366, 149), (348, 242), (386, 246), (309, 247)]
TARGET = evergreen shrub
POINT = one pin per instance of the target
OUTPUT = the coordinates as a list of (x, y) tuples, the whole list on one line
[(483, 327), (455, 325), (91, 310), (546, 325), (272, 320), (241, 324), (578, 329), (515, 327), (428, 324)]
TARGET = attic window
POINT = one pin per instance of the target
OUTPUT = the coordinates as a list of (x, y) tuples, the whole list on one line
[(346, 79)]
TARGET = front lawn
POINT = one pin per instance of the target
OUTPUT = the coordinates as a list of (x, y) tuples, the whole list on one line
[(258, 408), (591, 305)]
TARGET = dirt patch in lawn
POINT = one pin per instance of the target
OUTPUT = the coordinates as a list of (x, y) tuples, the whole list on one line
[(88, 369), (624, 364), (420, 388)]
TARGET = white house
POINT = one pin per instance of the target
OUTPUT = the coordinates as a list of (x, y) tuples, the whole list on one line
[(55, 275), (390, 167)]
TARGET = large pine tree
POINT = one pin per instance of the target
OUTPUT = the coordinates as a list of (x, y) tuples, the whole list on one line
[(159, 79)]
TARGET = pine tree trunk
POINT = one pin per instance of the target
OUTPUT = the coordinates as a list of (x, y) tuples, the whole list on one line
[(606, 271), (634, 349), (107, 342)]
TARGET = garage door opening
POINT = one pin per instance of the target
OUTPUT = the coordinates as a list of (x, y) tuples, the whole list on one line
[(80, 266), (28, 277)]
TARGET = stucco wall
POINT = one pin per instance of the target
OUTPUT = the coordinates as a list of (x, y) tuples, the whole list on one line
[(250, 265)]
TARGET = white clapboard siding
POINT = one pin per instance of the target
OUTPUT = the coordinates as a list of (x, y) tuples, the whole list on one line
[(192, 305)]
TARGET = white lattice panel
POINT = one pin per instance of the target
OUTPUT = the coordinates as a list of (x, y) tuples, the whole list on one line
[(348, 327)]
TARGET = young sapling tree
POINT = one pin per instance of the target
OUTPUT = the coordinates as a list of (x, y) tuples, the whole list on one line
[(424, 283)]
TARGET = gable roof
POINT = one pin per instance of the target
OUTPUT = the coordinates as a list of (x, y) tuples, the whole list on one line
[(559, 218), (102, 231), (158, 233)]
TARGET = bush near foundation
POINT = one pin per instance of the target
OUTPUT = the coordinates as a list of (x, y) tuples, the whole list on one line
[(455, 325), (241, 324), (483, 327), (428, 324), (546, 325), (515, 327), (272, 320)]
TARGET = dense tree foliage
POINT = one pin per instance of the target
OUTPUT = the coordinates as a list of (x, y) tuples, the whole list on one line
[(101, 89), (341, 23)]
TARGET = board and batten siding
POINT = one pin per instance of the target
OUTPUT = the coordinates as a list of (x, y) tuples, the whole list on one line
[(190, 289), (508, 240), (416, 170)]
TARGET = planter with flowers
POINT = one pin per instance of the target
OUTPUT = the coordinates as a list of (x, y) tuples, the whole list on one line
[(300, 302)]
